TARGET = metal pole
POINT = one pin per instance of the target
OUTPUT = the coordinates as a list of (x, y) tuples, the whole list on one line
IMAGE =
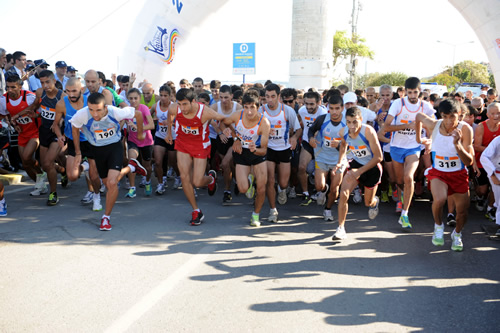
[(243, 78)]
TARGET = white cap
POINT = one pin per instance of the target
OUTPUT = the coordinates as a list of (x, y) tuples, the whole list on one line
[(350, 97)]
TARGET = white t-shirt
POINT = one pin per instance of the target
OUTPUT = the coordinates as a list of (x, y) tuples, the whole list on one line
[(308, 119), (367, 115), (405, 115)]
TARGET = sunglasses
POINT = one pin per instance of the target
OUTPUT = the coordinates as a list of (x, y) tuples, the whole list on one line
[(44, 67), (288, 101)]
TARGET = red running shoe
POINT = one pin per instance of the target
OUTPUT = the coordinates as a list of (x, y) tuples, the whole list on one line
[(212, 187), (105, 225), (197, 217), (138, 167)]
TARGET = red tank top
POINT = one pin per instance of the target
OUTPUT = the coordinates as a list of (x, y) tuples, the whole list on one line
[(488, 136), (27, 124), (192, 131)]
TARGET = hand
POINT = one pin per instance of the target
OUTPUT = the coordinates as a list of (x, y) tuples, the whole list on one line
[(223, 138), (132, 78), (410, 126), (380, 103), (227, 131), (237, 148), (313, 143), (457, 135), (495, 180), (141, 136), (168, 138), (428, 145), (476, 169), (61, 140), (293, 142), (252, 147)]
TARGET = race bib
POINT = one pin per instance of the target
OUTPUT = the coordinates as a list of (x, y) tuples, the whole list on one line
[(359, 151), (276, 132), (447, 163), (104, 134), (48, 113), (190, 130), (24, 120), (162, 129), (330, 142)]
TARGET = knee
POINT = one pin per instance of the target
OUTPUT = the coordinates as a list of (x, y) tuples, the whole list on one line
[(408, 179), (261, 189), (243, 187), (302, 169), (111, 183)]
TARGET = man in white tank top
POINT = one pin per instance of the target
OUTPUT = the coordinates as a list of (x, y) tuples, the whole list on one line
[(225, 106), (452, 153)]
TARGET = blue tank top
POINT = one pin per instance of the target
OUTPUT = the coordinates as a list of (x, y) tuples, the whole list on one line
[(359, 146), (70, 112), (48, 108), (325, 152), (87, 92)]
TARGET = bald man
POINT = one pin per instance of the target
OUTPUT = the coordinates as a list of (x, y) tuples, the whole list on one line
[(371, 95), (149, 98), (93, 85), (65, 109)]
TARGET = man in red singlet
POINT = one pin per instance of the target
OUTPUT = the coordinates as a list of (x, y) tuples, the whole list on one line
[(11, 104), (192, 145)]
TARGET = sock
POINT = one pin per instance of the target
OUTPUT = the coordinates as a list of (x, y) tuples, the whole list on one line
[(279, 189), (2, 201), (132, 187), (148, 182), (227, 191), (106, 216), (489, 208), (96, 196), (197, 210), (438, 226), (451, 214), (132, 168), (254, 213), (274, 210), (404, 213), (306, 193)]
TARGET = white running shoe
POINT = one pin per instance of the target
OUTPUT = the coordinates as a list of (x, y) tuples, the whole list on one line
[(103, 188), (171, 173), (160, 189), (373, 211), (273, 215), (87, 198), (321, 198), (177, 183), (292, 194), (143, 182), (357, 195), (327, 215), (282, 197), (339, 234), (96, 203)]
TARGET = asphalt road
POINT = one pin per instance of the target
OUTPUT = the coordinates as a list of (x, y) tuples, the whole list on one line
[(154, 272)]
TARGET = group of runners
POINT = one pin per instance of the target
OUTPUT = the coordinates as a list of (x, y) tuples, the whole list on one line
[(268, 140)]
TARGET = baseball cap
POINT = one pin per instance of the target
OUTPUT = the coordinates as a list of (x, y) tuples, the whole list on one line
[(61, 64), (29, 67), (350, 97), (40, 62), (72, 69)]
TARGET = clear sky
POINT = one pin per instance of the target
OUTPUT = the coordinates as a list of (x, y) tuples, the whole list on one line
[(403, 35)]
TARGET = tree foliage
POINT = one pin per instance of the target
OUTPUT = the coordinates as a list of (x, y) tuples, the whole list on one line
[(378, 79), (469, 71), (344, 47), (445, 79)]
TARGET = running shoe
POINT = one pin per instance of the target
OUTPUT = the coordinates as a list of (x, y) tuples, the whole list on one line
[(227, 197), (171, 173), (64, 180), (327, 215), (160, 189), (456, 241), (255, 222), (314, 196), (282, 197), (395, 196), (373, 211), (3, 209), (251, 189), (139, 169), (197, 217), (339, 234), (437, 237), (292, 194), (53, 199), (273, 215), (177, 183), (143, 182), (87, 198), (105, 225), (212, 187), (405, 222), (321, 199), (147, 189), (39, 180), (96, 203), (480, 204), (384, 197), (103, 187), (306, 200), (450, 220), (491, 214), (496, 234), (131, 193), (357, 195), (399, 207)]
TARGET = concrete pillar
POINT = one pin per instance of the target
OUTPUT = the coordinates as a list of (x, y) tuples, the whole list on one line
[(312, 43)]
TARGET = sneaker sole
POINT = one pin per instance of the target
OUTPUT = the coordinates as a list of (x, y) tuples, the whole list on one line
[(105, 229)]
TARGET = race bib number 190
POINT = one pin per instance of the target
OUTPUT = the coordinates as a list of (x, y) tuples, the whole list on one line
[(104, 134)]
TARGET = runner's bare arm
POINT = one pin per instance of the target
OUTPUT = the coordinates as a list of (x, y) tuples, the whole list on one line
[(381, 135), (264, 129), (60, 113), (342, 150), (151, 124), (427, 122), (172, 112), (208, 114), (462, 139), (30, 109), (478, 139), (108, 96), (140, 125)]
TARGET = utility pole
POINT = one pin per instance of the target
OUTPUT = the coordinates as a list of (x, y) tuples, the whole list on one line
[(353, 61)]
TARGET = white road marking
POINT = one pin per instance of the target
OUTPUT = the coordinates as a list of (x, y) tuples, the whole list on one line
[(149, 300)]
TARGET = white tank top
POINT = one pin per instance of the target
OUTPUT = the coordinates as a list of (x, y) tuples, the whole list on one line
[(308, 119), (406, 138), (443, 152), (280, 129), (162, 130), (248, 134)]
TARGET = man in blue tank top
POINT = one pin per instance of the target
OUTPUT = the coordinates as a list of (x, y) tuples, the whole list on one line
[(364, 169), (65, 110)]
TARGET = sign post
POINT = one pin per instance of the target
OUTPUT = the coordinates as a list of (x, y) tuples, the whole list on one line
[(244, 59)]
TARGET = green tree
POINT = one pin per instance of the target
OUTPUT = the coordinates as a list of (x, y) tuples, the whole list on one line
[(344, 47), (445, 79), (492, 81), (469, 71)]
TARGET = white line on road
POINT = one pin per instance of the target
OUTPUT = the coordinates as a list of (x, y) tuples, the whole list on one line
[(155, 295), (24, 188)]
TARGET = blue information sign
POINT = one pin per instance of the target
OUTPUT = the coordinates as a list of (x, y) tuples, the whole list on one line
[(243, 58)]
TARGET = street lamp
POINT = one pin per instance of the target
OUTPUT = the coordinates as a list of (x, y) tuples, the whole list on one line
[(454, 50)]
